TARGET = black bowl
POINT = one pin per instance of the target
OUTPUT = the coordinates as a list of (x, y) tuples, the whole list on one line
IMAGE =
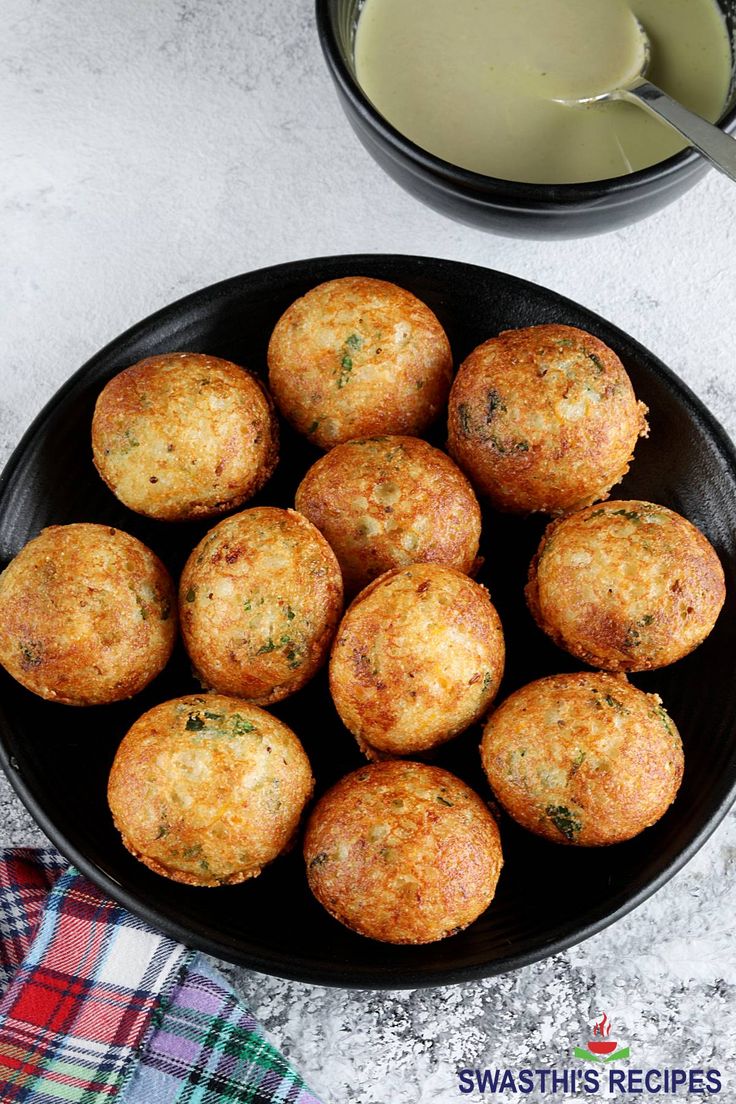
[(505, 206), (549, 896)]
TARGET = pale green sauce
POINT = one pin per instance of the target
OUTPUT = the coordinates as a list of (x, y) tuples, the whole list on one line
[(475, 81)]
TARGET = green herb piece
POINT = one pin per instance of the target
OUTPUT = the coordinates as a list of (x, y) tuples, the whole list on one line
[(163, 830), (191, 594), (487, 679), (30, 655), (577, 761), (392, 453), (419, 385), (354, 341), (647, 619), (494, 403), (444, 801), (269, 646), (293, 652), (241, 725), (195, 723), (630, 515), (247, 605), (192, 852), (521, 446), (564, 821), (319, 860), (130, 441), (214, 716), (314, 426), (564, 342), (346, 367), (597, 362), (664, 718), (615, 704), (595, 514), (290, 615), (165, 611), (463, 413)]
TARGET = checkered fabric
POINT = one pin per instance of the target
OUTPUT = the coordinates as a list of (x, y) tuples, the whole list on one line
[(97, 1006)]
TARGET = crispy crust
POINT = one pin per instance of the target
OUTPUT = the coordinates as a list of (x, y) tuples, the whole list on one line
[(544, 419), (626, 586), (358, 356), (403, 853), (261, 596), (208, 789), (387, 502), (583, 759), (87, 615), (183, 435), (417, 659)]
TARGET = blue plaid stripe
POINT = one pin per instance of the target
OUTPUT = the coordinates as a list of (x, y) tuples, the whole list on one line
[(208, 1049)]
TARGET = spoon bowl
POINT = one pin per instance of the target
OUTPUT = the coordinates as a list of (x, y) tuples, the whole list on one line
[(719, 148)]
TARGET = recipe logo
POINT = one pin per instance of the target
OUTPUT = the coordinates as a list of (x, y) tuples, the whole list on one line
[(601, 1048), (586, 1081)]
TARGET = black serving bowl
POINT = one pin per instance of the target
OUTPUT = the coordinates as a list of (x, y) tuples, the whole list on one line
[(504, 206)]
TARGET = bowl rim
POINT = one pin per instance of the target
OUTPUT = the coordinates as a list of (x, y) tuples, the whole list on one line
[(480, 187), (347, 975)]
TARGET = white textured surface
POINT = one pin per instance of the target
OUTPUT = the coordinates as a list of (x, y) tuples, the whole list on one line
[(149, 148)]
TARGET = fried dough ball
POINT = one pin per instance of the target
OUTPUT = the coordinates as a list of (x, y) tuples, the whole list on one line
[(87, 615), (358, 356), (207, 789), (386, 502), (182, 435), (260, 598), (585, 759), (626, 586), (403, 853), (544, 418), (417, 659)]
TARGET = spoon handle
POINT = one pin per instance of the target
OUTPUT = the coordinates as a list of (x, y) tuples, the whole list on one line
[(715, 144)]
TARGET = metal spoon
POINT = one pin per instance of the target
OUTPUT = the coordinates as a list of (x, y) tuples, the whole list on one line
[(715, 144)]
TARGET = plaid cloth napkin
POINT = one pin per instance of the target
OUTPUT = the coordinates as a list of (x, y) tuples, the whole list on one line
[(98, 1007)]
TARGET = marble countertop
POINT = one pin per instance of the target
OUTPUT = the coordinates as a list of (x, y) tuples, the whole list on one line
[(152, 148)]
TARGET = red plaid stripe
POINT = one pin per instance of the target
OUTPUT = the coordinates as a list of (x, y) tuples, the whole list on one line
[(82, 1002)]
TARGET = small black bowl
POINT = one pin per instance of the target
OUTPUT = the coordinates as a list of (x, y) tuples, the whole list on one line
[(504, 206)]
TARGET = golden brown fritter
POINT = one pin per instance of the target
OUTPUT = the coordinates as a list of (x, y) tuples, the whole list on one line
[(358, 356), (403, 853), (207, 789), (417, 659), (87, 615), (544, 418), (584, 759), (387, 502), (260, 598), (626, 586), (183, 435)]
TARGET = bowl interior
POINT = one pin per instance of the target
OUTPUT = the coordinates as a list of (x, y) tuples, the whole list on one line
[(340, 18), (549, 896)]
